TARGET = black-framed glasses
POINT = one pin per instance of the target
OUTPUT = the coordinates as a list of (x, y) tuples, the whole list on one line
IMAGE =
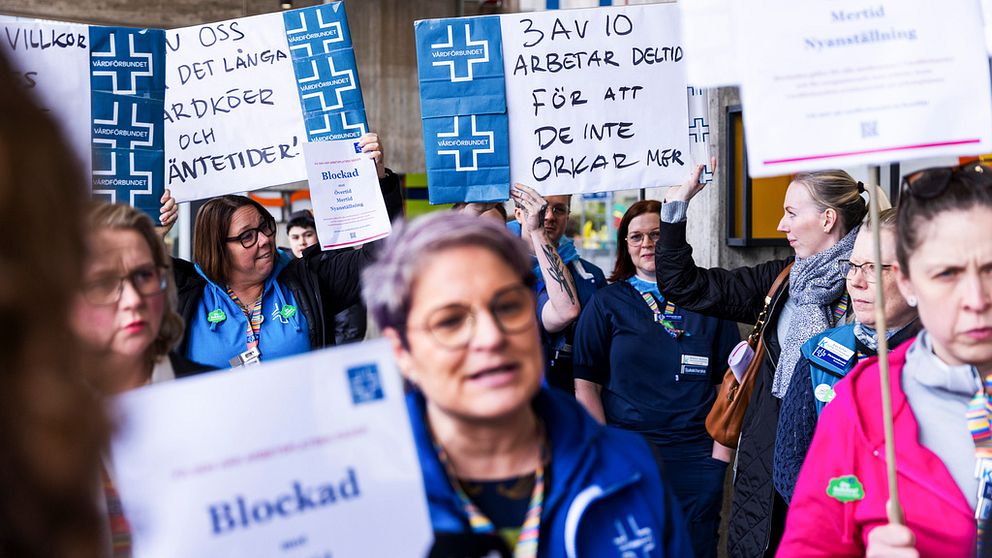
[(249, 237), (930, 183), (512, 309), (849, 269), (147, 281), (638, 238), (558, 209)]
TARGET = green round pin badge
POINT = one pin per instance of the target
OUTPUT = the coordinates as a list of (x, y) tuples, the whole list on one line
[(824, 393), (846, 489), (216, 316), (288, 311)]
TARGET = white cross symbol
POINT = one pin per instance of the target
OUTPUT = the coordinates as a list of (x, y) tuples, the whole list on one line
[(336, 25), (468, 43), (475, 152), (344, 124), (337, 91), (131, 54), (640, 539), (112, 142)]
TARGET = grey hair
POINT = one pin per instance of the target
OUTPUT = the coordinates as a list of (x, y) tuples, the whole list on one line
[(387, 283)]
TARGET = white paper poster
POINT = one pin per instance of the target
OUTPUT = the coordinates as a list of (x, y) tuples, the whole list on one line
[(596, 98), (839, 83), (52, 61), (344, 189), (310, 456), (709, 34), (244, 95)]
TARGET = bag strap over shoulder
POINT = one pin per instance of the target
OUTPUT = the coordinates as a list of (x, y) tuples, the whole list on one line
[(763, 316)]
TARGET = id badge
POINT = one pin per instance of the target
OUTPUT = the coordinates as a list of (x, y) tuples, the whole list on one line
[(694, 369), (250, 357)]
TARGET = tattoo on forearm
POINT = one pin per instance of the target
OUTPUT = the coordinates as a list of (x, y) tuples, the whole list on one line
[(558, 271)]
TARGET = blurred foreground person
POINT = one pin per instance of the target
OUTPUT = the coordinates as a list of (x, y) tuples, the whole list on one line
[(51, 426), (126, 314), (941, 384), (523, 466), (127, 308)]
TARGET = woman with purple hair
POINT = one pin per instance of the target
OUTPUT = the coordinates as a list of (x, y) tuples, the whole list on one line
[(507, 464)]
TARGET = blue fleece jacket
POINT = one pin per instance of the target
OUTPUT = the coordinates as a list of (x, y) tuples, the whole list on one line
[(606, 497), (283, 331)]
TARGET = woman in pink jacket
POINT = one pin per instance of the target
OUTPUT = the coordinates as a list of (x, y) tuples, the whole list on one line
[(943, 451)]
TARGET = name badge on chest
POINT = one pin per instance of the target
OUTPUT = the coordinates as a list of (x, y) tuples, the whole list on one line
[(693, 368), (833, 353)]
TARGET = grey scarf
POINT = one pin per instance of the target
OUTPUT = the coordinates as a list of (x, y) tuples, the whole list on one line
[(815, 283), (867, 335)]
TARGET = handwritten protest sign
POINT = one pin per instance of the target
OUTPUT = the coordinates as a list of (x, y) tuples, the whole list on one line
[(347, 203), (595, 100), (306, 456), (837, 84), (106, 87), (245, 95)]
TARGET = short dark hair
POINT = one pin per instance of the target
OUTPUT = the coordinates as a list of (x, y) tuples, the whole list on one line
[(624, 268), (968, 186), (210, 233), (303, 219)]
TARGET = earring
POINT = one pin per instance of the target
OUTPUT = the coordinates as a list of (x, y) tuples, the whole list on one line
[(911, 300)]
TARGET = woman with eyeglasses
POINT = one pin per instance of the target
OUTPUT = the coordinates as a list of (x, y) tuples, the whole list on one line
[(127, 309), (126, 316), (822, 213), (940, 387), (245, 301), (828, 357), (506, 463), (646, 365)]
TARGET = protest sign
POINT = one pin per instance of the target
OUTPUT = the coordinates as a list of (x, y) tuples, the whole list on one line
[(836, 84), (709, 34), (344, 188), (305, 456), (244, 95), (106, 87), (595, 100)]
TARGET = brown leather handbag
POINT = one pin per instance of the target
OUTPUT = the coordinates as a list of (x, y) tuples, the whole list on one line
[(725, 418)]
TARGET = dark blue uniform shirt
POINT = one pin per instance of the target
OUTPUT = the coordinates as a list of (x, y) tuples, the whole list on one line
[(652, 383)]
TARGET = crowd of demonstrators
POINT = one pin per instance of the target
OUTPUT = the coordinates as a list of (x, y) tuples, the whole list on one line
[(52, 427), (349, 324), (823, 211), (840, 349), (646, 365), (940, 391), (565, 281), (509, 461), (244, 300), (501, 455)]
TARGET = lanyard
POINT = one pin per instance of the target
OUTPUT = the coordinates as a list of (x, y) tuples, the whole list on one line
[(979, 412), (530, 530), (254, 317), (841, 309), (668, 319)]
